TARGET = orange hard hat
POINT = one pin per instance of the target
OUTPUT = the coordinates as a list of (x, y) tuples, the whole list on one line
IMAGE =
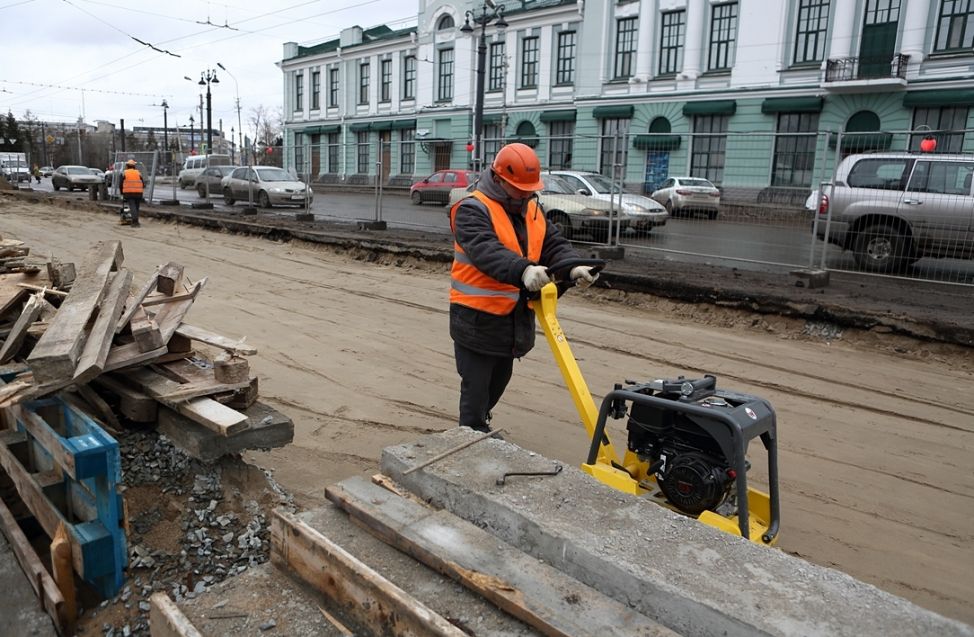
[(131, 163), (518, 165)]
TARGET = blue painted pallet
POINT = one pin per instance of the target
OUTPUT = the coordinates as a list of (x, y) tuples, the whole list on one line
[(87, 497)]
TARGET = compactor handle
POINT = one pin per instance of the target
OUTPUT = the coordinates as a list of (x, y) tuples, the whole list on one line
[(561, 271)]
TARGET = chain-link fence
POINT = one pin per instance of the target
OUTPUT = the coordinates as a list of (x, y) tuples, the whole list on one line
[(147, 163), (751, 198)]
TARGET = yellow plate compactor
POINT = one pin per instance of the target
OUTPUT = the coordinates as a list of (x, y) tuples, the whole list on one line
[(687, 439)]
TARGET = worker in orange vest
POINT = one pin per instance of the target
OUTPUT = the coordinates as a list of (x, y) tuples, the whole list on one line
[(502, 246), (133, 185)]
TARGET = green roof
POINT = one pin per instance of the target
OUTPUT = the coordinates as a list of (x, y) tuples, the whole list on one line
[(559, 116), (374, 34), (945, 97), (656, 142), (792, 105), (616, 111), (713, 107)]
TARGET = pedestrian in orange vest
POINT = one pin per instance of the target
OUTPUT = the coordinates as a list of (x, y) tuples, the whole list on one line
[(502, 246), (133, 184)]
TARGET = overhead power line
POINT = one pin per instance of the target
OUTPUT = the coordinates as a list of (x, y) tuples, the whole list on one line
[(78, 88)]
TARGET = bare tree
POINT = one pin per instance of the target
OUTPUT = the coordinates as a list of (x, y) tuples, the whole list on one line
[(267, 124)]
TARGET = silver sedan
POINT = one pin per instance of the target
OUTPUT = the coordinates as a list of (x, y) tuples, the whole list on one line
[(269, 186)]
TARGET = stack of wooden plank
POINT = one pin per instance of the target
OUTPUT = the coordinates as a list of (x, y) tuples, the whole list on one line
[(82, 353), (126, 342)]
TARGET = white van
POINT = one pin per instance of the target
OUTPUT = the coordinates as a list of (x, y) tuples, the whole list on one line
[(196, 164)]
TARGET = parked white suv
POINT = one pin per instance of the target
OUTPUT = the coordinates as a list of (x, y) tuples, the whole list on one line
[(891, 209)]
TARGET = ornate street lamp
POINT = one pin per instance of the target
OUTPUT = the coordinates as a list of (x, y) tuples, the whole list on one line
[(488, 13), (206, 78)]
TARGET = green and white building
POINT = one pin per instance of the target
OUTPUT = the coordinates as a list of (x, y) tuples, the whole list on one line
[(742, 92)]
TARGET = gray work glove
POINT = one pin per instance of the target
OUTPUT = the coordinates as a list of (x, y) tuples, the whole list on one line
[(535, 277), (583, 276)]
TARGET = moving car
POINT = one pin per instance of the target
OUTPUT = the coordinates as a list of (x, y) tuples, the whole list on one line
[(572, 213), (681, 195), (212, 178), (600, 187), (72, 177), (892, 209), (437, 186), (270, 186)]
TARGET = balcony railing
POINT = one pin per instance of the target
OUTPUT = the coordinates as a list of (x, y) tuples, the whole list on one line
[(866, 68)]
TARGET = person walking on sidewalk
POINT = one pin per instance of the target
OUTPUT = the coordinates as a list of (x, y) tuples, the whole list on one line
[(133, 185), (502, 246)]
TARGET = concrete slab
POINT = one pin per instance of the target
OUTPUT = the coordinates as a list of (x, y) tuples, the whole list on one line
[(266, 428), (690, 577), (20, 611)]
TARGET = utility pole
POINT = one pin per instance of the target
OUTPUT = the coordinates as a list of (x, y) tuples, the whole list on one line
[(201, 126), (123, 134), (236, 92), (206, 78), (488, 13), (192, 130)]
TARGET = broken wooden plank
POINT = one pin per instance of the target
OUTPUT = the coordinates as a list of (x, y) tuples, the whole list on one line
[(145, 331), (40, 288), (167, 620), (57, 352), (122, 356), (371, 599), (103, 411), (171, 315), (40, 580), (216, 340), (134, 302), (159, 300), (95, 353), (64, 576), (205, 411), (14, 340), (536, 593)]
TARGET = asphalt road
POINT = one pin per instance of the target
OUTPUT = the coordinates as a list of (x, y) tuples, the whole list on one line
[(755, 244)]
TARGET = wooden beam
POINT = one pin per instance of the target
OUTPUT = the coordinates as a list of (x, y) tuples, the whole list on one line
[(43, 584), (64, 576), (57, 352), (543, 597), (145, 331), (132, 403), (166, 620), (211, 338), (170, 278), (205, 411), (95, 354), (372, 600), (134, 302), (14, 340), (40, 288), (229, 368), (122, 356)]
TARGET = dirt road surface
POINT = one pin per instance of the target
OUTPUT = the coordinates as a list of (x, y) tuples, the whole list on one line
[(876, 431)]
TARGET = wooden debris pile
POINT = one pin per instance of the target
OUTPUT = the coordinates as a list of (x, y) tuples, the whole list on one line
[(62, 330)]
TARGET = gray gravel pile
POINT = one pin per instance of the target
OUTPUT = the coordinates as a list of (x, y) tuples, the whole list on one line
[(216, 540)]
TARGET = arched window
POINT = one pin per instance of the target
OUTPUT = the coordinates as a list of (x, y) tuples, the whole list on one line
[(862, 122), (862, 133), (660, 125), (526, 134), (445, 22)]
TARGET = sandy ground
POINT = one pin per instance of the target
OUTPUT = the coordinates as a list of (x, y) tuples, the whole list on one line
[(876, 432)]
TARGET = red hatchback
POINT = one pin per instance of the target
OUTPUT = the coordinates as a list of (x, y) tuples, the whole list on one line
[(437, 186)]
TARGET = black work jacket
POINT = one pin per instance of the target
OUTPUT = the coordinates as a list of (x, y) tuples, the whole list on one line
[(511, 335)]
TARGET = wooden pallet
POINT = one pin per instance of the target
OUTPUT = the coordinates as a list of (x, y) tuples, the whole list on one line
[(67, 469)]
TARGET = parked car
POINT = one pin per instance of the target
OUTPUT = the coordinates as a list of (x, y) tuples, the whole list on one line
[(681, 195), (437, 186), (600, 187), (196, 164), (98, 173), (892, 209), (212, 178), (47, 171), (574, 214), (72, 177), (270, 186)]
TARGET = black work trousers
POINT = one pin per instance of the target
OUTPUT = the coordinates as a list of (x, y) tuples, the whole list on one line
[(483, 379), (133, 202)]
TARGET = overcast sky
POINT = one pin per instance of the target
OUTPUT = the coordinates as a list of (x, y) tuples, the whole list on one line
[(64, 58)]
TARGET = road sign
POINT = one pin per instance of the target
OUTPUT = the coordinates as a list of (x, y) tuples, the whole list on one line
[(50, 139)]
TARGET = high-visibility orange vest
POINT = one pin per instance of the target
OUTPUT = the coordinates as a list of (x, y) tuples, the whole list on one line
[(471, 287), (131, 182)]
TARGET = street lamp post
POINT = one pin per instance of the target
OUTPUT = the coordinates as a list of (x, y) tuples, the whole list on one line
[(488, 13), (192, 130), (165, 128), (236, 92), (206, 78)]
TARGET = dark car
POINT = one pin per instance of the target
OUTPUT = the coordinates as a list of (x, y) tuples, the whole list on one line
[(212, 177), (437, 186)]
